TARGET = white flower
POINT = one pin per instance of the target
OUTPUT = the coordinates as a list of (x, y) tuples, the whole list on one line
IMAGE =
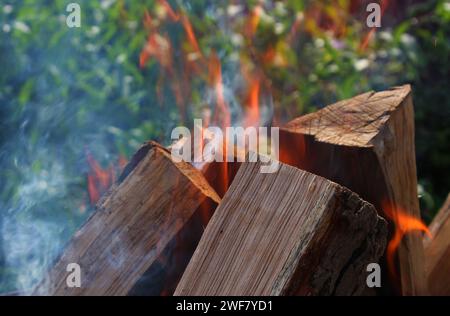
[(128, 79), (280, 8), (407, 39), (6, 28), (132, 25), (20, 26), (300, 16), (98, 15), (386, 36), (234, 9), (447, 6), (361, 64), (319, 43), (234, 56), (333, 68), (237, 39), (54, 70), (94, 30), (91, 48), (121, 58), (105, 4), (7, 9), (395, 52), (312, 77), (264, 16), (278, 28)]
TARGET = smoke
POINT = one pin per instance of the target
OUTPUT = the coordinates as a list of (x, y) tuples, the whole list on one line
[(30, 246), (34, 224), (59, 96)]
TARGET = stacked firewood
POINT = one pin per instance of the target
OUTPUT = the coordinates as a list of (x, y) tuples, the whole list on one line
[(347, 177)]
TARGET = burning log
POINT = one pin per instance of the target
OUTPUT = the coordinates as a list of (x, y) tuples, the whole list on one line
[(285, 233), (134, 228), (367, 145), (437, 252)]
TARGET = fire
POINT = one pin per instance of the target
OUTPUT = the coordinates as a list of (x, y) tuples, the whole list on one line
[(252, 117), (190, 33), (222, 113), (159, 47), (167, 9), (122, 162), (404, 224), (99, 179), (254, 103), (253, 21), (148, 22)]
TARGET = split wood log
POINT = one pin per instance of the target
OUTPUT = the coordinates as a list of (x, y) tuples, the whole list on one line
[(366, 144), (285, 233), (437, 252), (136, 227)]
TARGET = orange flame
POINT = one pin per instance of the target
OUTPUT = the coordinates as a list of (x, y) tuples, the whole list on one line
[(122, 162), (253, 21), (404, 224), (215, 79), (252, 118), (148, 22), (159, 47), (222, 114), (168, 9), (190, 32), (98, 179)]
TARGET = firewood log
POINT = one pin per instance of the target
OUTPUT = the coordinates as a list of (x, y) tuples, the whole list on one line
[(134, 227), (366, 144), (285, 233), (437, 252)]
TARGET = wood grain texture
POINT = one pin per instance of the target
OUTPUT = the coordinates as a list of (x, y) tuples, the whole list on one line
[(437, 252), (132, 226), (366, 144), (286, 233)]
